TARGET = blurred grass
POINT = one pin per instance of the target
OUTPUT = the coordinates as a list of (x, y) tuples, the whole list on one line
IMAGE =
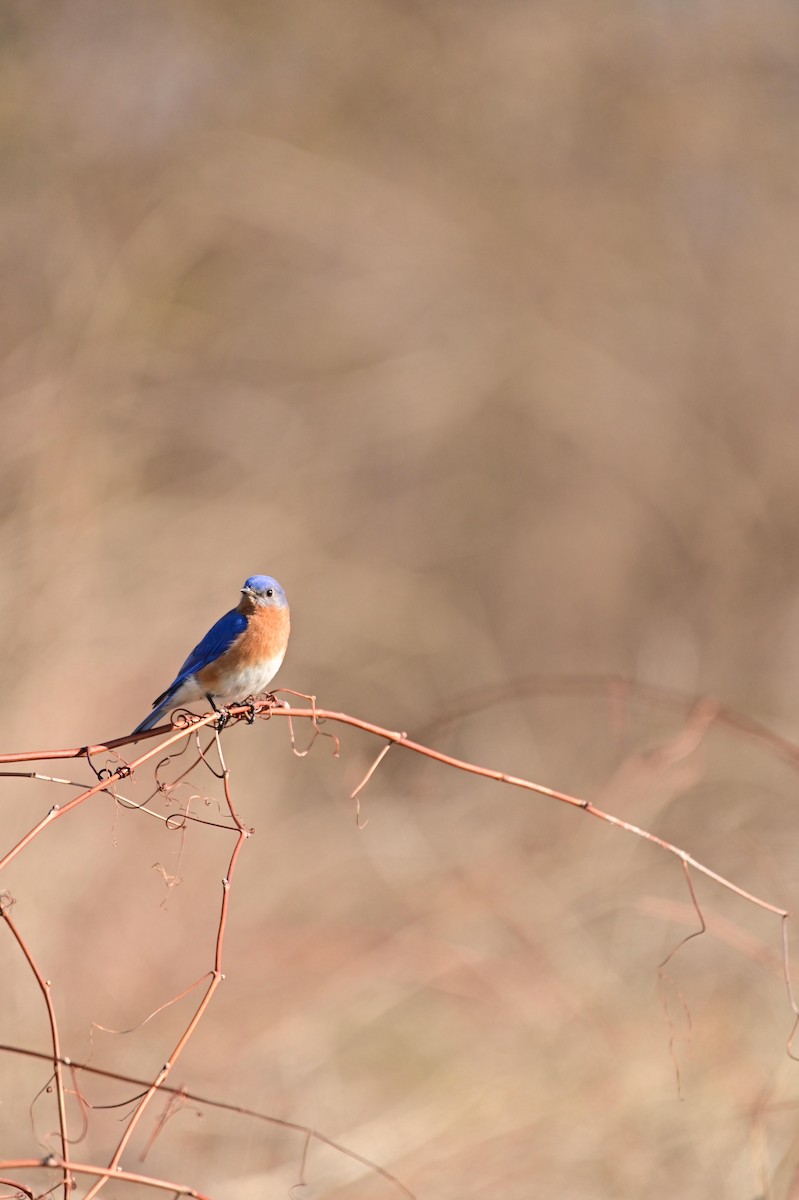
[(474, 324)]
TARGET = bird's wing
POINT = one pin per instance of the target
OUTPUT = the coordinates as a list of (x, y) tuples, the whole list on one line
[(218, 639)]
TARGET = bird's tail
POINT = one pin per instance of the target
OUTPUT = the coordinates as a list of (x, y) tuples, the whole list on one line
[(161, 707)]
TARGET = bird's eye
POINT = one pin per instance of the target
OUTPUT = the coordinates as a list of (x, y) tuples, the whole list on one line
[(270, 591)]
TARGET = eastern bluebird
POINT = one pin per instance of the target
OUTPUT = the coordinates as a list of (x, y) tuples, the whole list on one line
[(237, 657)]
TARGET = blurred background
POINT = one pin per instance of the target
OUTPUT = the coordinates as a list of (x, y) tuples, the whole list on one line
[(475, 325)]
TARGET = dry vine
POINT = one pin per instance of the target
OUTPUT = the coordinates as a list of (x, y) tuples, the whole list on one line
[(174, 752)]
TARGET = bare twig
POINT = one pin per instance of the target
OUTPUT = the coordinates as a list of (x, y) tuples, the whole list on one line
[(44, 987)]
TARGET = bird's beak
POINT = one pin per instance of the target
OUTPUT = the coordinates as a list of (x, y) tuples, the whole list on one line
[(246, 591)]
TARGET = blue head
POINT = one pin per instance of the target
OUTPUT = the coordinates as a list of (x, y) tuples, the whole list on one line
[(265, 592)]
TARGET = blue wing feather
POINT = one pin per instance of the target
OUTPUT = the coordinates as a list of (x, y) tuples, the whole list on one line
[(217, 640)]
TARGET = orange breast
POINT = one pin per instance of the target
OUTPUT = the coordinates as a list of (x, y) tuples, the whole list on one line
[(265, 637), (254, 657)]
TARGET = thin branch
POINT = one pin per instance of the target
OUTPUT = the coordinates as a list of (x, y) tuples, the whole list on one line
[(104, 1174), (216, 979), (44, 987), (208, 1102), (399, 739)]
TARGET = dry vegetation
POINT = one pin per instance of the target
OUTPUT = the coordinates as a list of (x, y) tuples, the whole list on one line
[(474, 323)]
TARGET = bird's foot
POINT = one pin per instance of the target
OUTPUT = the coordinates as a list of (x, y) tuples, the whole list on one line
[(255, 705), (223, 718)]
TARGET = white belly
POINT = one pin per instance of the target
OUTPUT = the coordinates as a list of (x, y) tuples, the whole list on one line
[(248, 681), (235, 684)]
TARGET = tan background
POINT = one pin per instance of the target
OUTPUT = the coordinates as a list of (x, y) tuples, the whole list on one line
[(474, 323)]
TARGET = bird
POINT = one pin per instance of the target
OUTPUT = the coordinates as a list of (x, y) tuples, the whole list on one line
[(238, 656)]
